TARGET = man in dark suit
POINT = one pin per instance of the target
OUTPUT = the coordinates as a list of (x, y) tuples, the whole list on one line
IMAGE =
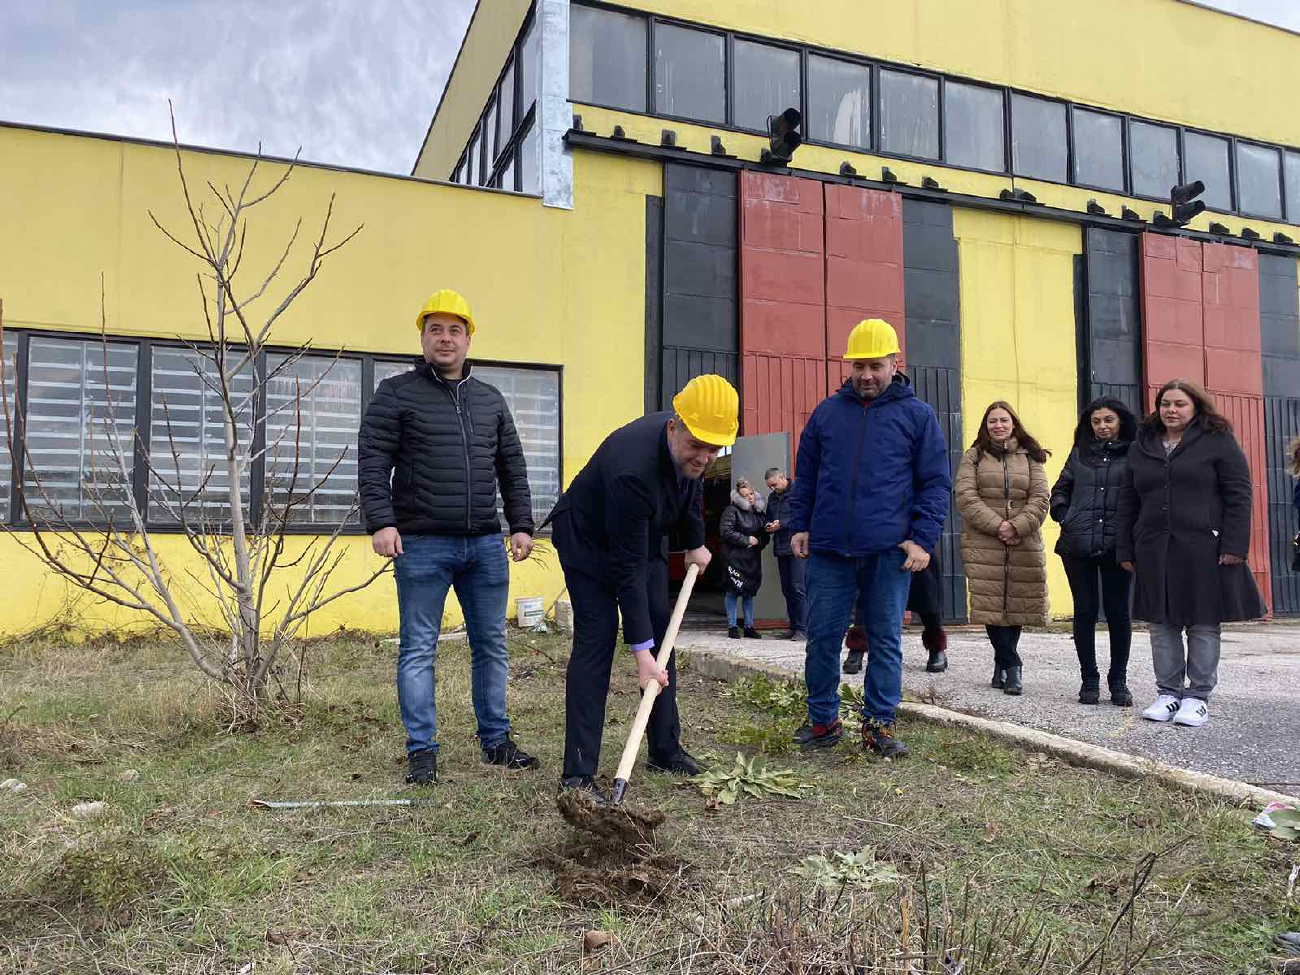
[(611, 530)]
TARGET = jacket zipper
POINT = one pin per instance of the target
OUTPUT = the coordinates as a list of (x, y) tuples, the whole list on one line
[(454, 393), (853, 481), (1006, 549)]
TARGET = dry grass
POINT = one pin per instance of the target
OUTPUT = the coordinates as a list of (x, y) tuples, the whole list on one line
[(1008, 863)]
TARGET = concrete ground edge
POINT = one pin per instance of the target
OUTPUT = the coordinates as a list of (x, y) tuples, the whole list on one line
[(722, 666)]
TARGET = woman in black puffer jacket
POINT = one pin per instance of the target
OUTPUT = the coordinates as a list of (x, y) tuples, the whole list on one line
[(743, 540), (1085, 503)]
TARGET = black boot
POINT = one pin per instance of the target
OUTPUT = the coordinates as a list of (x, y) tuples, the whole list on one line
[(999, 677), (1120, 695), (1089, 691), (937, 663), (936, 641), (1013, 684), (752, 634), (683, 763), (853, 662), (587, 785), (509, 755), (733, 632), (423, 767)]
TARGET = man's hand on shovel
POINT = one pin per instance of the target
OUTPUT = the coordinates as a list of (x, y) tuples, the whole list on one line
[(648, 669)]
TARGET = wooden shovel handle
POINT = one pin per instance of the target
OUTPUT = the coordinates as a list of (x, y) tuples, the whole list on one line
[(652, 691)]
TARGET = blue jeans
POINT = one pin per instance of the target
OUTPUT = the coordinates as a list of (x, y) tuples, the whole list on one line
[(476, 565), (748, 602), (882, 586)]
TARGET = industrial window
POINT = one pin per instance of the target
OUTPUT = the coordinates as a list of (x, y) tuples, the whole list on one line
[(839, 102), (1039, 148), (187, 441), (458, 174), (972, 126), (506, 180), (690, 73), (314, 444), (607, 61), (528, 163), (528, 74), (766, 83), (1259, 191), (1205, 157), (482, 164), (506, 101), (11, 402), (80, 428), (909, 114), (471, 162), (1099, 150), (1293, 187), (533, 396), (491, 143), (1153, 154)]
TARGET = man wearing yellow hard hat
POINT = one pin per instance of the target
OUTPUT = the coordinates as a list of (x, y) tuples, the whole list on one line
[(869, 506), (611, 532), (434, 444)]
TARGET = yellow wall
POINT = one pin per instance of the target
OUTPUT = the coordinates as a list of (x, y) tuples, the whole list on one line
[(492, 30), (1159, 58), (1018, 338), (547, 286)]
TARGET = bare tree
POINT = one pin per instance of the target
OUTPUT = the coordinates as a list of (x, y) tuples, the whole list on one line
[(244, 561)]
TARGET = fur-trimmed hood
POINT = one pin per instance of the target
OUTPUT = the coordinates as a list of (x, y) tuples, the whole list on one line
[(759, 504)]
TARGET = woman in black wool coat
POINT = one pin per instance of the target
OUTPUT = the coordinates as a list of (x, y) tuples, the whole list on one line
[(743, 539), (1184, 530), (1085, 502)]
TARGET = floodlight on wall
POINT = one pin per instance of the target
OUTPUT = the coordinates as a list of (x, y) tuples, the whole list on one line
[(783, 137), (1183, 205)]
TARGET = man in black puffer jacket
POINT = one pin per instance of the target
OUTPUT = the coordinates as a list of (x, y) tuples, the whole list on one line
[(433, 445)]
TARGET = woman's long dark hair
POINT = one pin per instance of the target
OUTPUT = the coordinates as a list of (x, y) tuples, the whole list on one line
[(1293, 457), (985, 445), (1207, 415), (1083, 435)]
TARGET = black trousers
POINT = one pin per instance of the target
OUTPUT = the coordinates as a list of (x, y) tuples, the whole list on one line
[(792, 587), (595, 644), (1005, 640), (1116, 585)]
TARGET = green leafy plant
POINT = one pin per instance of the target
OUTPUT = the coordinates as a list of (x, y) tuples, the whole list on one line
[(770, 694), (748, 778), (859, 870), (1286, 824)]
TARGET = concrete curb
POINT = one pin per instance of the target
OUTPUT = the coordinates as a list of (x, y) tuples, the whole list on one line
[(722, 666)]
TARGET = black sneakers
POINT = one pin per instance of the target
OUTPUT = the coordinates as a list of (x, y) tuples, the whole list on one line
[(1012, 683), (422, 767), (812, 735), (1089, 691), (508, 755), (1120, 695), (752, 634), (880, 739), (683, 763), (999, 678), (733, 632)]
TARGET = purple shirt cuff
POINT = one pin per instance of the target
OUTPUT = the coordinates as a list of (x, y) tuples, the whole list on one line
[(645, 645)]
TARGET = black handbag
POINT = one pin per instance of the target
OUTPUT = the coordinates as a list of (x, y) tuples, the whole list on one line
[(1295, 554)]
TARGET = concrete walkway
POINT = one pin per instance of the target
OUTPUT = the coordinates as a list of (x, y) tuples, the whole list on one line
[(1253, 734)]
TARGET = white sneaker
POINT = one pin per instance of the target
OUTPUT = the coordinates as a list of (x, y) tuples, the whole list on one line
[(1192, 713), (1165, 707)]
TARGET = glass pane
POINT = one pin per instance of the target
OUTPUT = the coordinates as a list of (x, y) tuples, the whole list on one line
[(1205, 157), (1038, 143), (909, 115), (459, 173), (482, 164), (81, 429), (506, 181), (690, 73), (533, 396), (10, 407), (972, 127), (320, 451), (1154, 152), (766, 83), (1099, 150), (607, 61), (1293, 187), (187, 436), (528, 69), (1258, 185), (529, 164), (471, 165), (506, 99), (839, 102), (490, 141)]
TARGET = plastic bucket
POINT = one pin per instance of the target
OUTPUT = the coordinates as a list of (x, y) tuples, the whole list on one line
[(531, 611)]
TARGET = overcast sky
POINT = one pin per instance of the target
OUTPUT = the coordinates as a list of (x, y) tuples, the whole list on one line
[(353, 82)]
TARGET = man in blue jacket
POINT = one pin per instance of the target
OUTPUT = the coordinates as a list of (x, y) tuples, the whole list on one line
[(868, 509)]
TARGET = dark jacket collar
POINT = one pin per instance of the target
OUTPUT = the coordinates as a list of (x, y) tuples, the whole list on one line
[(1149, 441), (899, 388), (1094, 450)]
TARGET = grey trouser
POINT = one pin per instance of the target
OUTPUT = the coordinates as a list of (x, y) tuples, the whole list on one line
[(1199, 665)]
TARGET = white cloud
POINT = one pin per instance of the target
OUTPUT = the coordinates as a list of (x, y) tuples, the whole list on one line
[(352, 82)]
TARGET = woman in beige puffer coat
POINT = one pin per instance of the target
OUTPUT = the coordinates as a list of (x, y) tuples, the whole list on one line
[(1002, 495)]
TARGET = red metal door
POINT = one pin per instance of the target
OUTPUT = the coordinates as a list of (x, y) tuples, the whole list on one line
[(783, 302), (864, 267), (1173, 329)]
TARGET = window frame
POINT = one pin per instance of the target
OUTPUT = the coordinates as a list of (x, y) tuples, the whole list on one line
[(652, 29), (1185, 174), (1006, 125), (649, 92), (1129, 121), (1069, 136), (802, 70), (1072, 108), (140, 483), (878, 94), (872, 119), (1280, 152)]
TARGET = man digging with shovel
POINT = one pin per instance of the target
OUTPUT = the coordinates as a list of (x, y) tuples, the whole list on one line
[(611, 531)]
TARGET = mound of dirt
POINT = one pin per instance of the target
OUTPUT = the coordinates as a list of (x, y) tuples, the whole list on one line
[(625, 825)]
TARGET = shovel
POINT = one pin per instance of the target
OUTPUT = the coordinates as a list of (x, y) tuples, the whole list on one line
[(652, 691)]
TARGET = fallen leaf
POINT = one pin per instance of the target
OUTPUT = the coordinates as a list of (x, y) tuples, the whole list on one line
[(596, 940), (130, 775), (276, 937), (88, 810), (991, 832)]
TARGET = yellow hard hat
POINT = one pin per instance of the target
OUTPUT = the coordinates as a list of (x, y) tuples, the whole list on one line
[(448, 302), (710, 408), (872, 338)]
